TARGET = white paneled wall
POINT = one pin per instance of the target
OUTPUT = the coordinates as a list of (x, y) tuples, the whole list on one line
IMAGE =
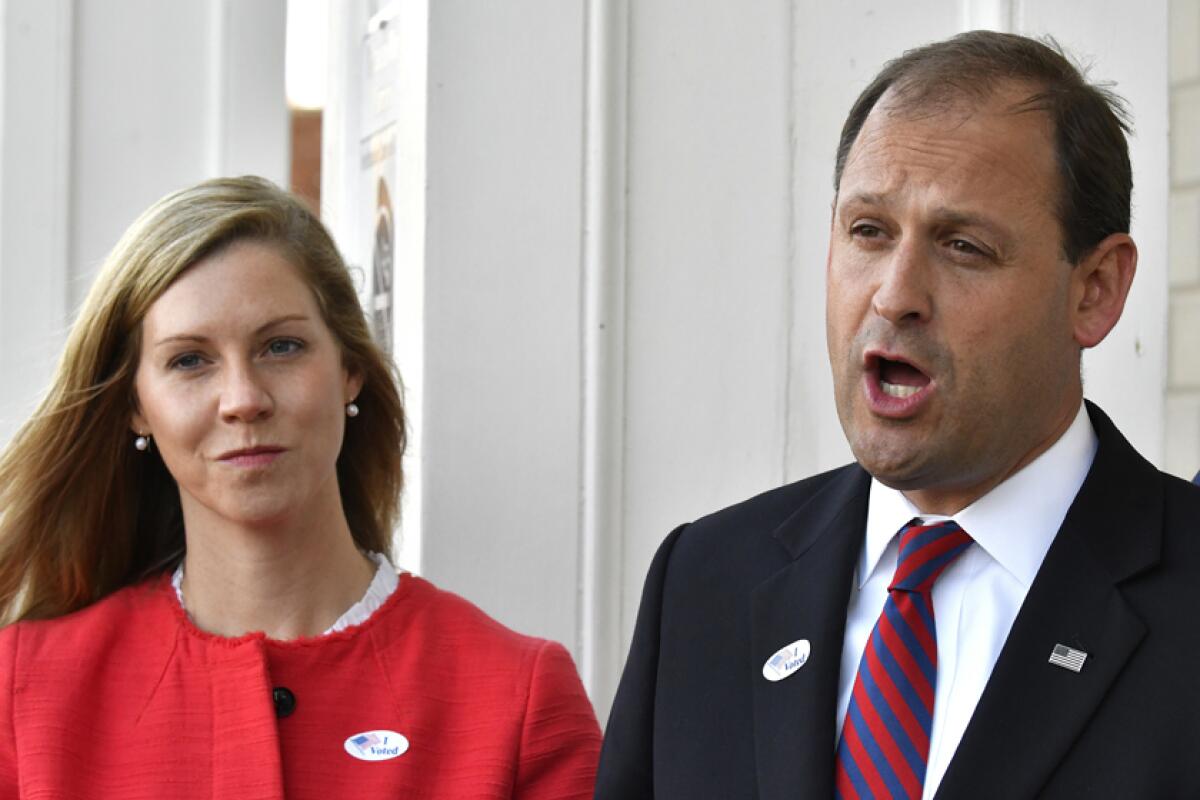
[(503, 308), (706, 336), (1183, 394), (35, 161)]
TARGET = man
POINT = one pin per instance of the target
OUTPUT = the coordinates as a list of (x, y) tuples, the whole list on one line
[(1037, 636)]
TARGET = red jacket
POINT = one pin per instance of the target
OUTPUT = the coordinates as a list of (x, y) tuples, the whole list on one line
[(128, 699)]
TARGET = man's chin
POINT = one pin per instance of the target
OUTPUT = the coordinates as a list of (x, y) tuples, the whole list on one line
[(895, 459), (901, 482)]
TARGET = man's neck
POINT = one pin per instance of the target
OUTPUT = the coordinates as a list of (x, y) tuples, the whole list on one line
[(948, 501)]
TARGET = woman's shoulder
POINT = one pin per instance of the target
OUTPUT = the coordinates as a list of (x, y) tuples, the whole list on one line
[(135, 612), (529, 679), (449, 623), (452, 616)]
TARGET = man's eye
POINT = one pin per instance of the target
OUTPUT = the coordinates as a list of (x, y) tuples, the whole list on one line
[(965, 247), (866, 231), (284, 347)]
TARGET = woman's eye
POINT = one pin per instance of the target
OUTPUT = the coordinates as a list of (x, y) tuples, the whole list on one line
[(284, 347), (187, 361)]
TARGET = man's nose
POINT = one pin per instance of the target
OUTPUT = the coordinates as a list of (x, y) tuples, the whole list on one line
[(244, 396), (903, 295)]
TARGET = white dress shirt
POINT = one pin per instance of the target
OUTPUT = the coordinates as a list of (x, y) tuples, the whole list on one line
[(978, 596)]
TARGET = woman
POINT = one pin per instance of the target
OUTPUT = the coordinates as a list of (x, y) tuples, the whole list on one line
[(193, 537)]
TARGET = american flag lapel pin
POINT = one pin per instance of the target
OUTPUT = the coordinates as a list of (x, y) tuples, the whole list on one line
[(1067, 657)]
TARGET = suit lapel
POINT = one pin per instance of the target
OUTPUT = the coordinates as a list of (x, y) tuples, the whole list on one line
[(795, 718), (1032, 711)]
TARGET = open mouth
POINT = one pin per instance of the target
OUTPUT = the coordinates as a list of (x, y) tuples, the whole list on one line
[(895, 388), (899, 378)]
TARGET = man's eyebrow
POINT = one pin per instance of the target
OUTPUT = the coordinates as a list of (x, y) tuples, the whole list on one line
[(943, 214), (866, 199), (266, 326), (951, 216), (958, 217)]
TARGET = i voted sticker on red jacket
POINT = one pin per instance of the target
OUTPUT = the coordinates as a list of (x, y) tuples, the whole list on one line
[(786, 660), (376, 745)]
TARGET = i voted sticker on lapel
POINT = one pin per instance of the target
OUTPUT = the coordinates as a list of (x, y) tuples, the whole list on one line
[(376, 745), (787, 660)]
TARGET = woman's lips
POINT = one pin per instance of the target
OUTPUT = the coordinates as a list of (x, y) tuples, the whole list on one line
[(251, 457)]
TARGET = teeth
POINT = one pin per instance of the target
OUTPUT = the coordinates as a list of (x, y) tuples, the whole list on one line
[(896, 390)]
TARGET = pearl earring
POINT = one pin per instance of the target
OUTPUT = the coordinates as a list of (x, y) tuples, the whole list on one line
[(142, 442), (351, 410)]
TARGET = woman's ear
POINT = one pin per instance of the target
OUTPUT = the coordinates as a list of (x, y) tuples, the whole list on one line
[(137, 422), (354, 384), (1099, 286)]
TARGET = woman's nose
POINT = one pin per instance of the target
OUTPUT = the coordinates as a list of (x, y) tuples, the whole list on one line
[(244, 397)]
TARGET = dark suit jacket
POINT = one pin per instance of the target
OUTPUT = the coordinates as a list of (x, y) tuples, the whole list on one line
[(694, 717)]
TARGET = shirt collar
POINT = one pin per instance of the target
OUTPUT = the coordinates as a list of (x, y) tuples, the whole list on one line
[(386, 580), (1015, 522)]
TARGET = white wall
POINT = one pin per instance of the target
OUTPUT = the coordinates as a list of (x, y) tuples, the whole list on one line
[(502, 399), (1183, 397), (108, 105), (1127, 44), (35, 136), (627, 216), (165, 95)]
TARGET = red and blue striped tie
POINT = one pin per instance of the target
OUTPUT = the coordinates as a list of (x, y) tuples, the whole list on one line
[(885, 738)]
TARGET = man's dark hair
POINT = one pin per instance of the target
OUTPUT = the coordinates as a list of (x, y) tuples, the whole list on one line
[(1090, 121)]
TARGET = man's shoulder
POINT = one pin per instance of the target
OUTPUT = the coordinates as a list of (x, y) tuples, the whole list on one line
[(1122, 475), (770, 509), (1182, 504), (749, 530), (1173, 508)]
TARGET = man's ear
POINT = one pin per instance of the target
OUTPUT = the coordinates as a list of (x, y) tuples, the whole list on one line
[(1099, 285)]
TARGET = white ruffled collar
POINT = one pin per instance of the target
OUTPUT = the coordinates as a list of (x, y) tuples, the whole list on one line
[(382, 585)]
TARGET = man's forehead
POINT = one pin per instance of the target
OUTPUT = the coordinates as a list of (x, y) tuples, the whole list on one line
[(1010, 106), (917, 99), (982, 138)]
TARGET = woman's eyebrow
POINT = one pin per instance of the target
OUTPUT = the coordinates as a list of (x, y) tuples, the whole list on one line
[(195, 337)]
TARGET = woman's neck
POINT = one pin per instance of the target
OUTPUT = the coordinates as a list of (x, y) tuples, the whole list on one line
[(288, 580)]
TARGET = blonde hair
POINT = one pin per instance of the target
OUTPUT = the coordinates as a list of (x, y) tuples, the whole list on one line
[(82, 513)]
